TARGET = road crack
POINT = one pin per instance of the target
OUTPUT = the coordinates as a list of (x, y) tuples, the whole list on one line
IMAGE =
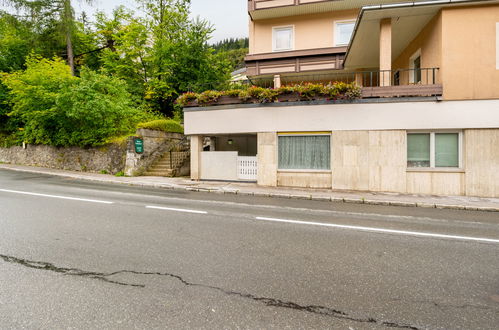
[(101, 276)]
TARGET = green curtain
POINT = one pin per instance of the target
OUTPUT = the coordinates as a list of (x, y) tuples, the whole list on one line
[(418, 150), (305, 152), (447, 150)]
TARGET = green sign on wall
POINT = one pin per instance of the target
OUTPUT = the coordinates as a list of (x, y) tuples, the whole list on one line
[(139, 145)]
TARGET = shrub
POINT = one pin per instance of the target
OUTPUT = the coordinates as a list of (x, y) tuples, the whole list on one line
[(185, 98), (208, 97), (52, 107), (165, 125), (244, 95), (233, 92), (308, 91), (283, 90)]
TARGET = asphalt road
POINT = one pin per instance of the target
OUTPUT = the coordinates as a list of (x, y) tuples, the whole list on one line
[(82, 255)]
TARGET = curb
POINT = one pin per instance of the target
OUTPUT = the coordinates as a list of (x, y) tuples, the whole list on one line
[(322, 198)]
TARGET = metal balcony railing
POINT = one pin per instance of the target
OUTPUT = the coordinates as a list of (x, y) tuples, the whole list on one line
[(375, 78)]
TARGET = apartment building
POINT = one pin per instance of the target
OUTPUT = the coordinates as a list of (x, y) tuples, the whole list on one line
[(427, 121)]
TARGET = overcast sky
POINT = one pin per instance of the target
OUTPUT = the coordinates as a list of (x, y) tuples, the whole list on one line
[(228, 16)]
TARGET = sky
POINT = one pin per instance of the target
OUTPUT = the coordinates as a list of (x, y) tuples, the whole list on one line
[(229, 17)]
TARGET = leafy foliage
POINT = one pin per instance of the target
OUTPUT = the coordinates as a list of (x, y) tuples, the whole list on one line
[(55, 108), (233, 50), (128, 69)]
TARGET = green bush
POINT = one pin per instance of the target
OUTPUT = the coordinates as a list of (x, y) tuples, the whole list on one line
[(185, 98), (208, 97), (165, 125), (52, 107)]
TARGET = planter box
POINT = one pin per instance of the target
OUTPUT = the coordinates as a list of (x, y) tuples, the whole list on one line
[(291, 97)]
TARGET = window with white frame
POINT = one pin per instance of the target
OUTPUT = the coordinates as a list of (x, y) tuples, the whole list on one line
[(434, 150), (282, 38), (343, 32), (304, 152)]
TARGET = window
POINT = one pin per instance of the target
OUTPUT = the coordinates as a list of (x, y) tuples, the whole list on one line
[(343, 32), (415, 66), (282, 38), (304, 152), (434, 150)]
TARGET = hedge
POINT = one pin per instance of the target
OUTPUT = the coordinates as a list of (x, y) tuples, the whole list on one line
[(165, 125)]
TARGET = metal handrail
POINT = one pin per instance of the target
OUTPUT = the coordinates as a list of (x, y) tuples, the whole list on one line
[(374, 78), (170, 151)]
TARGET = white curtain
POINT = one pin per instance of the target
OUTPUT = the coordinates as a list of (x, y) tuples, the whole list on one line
[(305, 152)]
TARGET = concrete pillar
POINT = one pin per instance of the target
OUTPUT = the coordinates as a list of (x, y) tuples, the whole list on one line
[(196, 149), (251, 29), (277, 81), (385, 51), (267, 159)]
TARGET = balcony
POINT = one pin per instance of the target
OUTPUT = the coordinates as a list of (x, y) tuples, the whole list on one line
[(267, 9), (374, 84), (295, 61), (361, 87), (399, 83)]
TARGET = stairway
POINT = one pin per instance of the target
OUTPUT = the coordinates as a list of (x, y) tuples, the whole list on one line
[(167, 166)]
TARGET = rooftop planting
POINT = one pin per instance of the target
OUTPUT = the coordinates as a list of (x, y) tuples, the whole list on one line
[(254, 94)]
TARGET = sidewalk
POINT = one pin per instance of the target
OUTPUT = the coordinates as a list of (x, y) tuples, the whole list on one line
[(394, 199)]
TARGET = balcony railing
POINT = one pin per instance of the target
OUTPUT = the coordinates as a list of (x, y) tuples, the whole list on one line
[(267, 4), (379, 83)]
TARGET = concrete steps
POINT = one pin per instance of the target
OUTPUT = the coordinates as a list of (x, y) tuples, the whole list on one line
[(167, 167)]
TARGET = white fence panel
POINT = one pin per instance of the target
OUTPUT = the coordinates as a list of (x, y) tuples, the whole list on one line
[(247, 168)]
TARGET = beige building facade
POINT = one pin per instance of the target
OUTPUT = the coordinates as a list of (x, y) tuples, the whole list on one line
[(428, 121)]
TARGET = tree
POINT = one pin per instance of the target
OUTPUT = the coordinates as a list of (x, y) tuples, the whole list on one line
[(162, 54), (52, 107), (60, 10), (182, 59)]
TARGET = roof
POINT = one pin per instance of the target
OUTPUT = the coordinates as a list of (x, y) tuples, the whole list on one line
[(288, 8), (409, 19)]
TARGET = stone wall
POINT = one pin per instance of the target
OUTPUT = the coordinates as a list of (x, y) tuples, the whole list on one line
[(109, 158), (112, 158), (156, 143)]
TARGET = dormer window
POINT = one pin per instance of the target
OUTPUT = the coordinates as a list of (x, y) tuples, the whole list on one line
[(282, 38), (343, 32)]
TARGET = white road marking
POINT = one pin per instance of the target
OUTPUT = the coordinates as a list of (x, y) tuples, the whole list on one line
[(176, 210), (55, 196), (381, 230)]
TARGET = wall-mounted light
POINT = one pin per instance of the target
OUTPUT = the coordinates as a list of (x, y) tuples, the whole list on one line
[(230, 141)]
